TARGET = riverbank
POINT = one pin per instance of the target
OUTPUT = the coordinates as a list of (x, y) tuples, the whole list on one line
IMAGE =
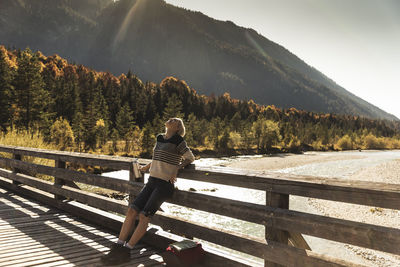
[(313, 163)]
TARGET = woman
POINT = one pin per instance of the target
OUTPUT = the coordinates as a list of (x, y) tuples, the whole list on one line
[(168, 152)]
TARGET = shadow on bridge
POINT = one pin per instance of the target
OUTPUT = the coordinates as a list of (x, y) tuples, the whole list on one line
[(34, 234)]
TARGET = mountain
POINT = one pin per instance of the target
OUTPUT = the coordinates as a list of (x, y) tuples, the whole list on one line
[(154, 39)]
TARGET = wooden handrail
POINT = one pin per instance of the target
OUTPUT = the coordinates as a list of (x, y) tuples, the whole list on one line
[(119, 163), (275, 216), (349, 191)]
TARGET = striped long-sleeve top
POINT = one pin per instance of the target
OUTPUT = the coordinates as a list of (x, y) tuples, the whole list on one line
[(167, 155)]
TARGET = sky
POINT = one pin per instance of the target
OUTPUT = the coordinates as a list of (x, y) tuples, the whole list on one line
[(356, 43)]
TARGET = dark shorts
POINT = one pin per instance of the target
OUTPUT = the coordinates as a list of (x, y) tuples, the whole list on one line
[(153, 194)]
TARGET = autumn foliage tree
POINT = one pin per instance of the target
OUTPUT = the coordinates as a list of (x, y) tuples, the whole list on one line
[(61, 134)]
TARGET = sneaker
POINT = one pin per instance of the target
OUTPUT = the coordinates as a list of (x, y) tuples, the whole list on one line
[(118, 254)]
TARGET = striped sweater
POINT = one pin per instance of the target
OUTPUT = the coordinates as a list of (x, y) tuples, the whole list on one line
[(167, 155)]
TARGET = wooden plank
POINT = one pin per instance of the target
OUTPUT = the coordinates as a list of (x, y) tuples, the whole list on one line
[(70, 175), (273, 234), (45, 231), (276, 252), (17, 222), (52, 240), (355, 233), (49, 256), (48, 236), (58, 182), (298, 241), (16, 157), (28, 229), (21, 214), (137, 257), (91, 199), (350, 191), (48, 239), (87, 260), (118, 163), (60, 246), (7, 206)]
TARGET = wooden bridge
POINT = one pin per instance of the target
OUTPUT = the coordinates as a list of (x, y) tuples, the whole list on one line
[(58, 224)]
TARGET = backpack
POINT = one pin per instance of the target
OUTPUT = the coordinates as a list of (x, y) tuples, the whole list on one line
[(183, 254)]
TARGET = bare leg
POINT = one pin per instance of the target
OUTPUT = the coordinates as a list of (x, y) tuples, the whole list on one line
[(128, 224), (140, 230)]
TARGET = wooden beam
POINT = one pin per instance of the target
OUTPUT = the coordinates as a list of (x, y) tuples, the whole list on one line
[(16, 170), (276, 252), (104, 203), (70, 175), (297, 240), (271, 233), (119, 163), (58, 182), (350, 191)]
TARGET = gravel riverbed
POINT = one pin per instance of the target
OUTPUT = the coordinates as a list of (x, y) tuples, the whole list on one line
[(374, 166)]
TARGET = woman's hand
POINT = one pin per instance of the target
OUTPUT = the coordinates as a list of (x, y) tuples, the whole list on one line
[(145, 168), (172, 180)]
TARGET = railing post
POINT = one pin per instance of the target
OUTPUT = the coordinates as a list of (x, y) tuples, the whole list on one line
[(58, 181), (16, 157), (134, 176), (279, 201)]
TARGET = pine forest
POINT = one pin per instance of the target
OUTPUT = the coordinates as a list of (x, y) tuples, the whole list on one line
[(53, 103)]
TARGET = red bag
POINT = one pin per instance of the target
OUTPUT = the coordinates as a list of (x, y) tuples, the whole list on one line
[(183, 254)]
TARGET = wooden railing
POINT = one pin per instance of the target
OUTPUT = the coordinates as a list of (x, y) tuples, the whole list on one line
[(283, 243)]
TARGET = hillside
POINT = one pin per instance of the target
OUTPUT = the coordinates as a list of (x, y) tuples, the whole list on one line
[(155, 40)]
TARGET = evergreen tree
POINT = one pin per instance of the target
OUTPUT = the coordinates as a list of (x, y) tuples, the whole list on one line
[(139, 101), (6, 90), (191, 130), (78, 128), (146, 141), (101, 133), (236, 122), (111, 93), (215, 129), (65, 94), (173, 108), (78, 121), (89, 124), (31, 97), (114, 139), (158, 125), (247, 138), (124, 124)]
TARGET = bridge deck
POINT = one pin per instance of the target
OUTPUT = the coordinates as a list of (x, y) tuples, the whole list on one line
[(33, 234)]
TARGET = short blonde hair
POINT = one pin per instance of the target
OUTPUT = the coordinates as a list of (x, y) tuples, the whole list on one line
[(182, 129)]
